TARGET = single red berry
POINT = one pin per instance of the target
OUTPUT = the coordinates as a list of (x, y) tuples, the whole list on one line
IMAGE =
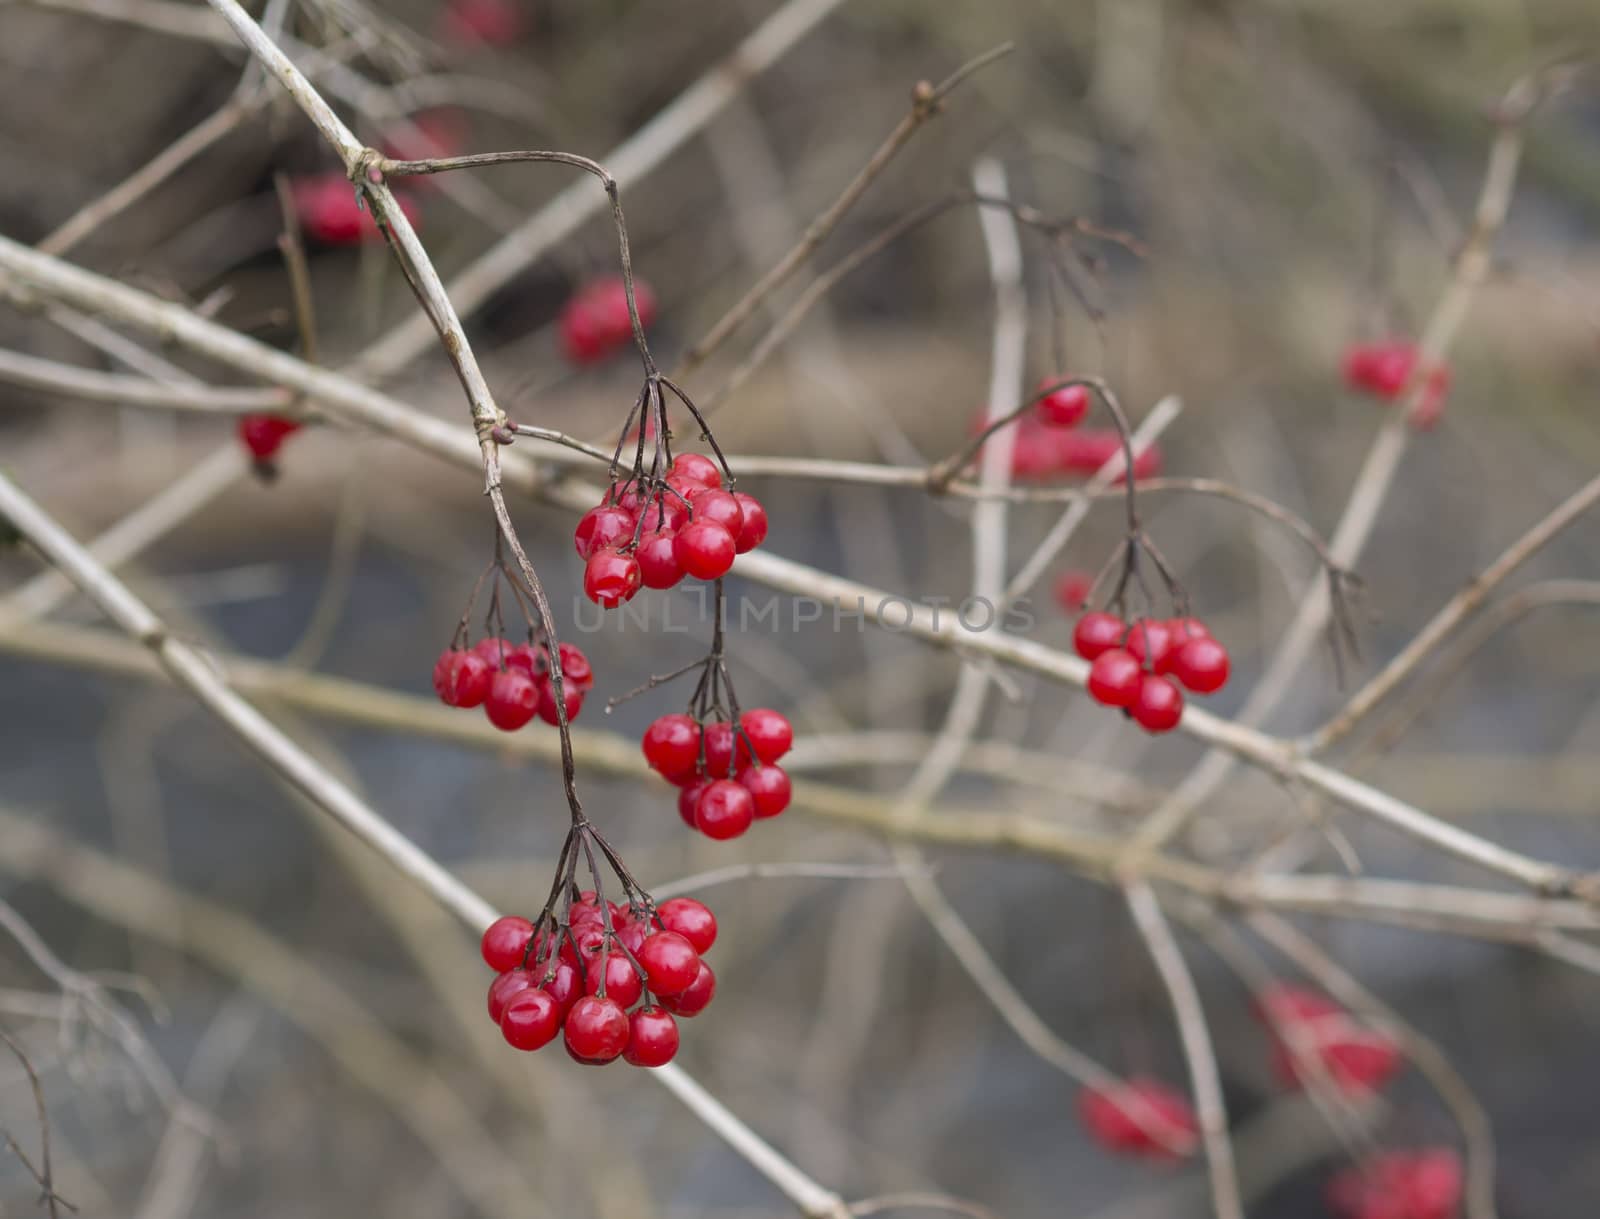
[(611, 577), (1085, 450), (1358, 1059), (1184, 629), (1360, 366), (1158, 704), (724, 810), (495, 651), (529, 659), (441, 676), (1150, 643), (531, 1019), (1072, 590), (1202, 665), (597, 1029), (564, 984), (1064, 407), (1424, 1184), (263, 435), (575, 668), (469, 678), (658, 559), (1142, 1117), (601, 527), (768, 787), (704, 549), (696, 469), (332, 212), (672, 744), (1391, 368), (719, 506), (1114, 678), (670, 962), (753, 530), (1096, 633), (719, 738), (621, 978), (691, 919), (572, 696), (769, 732), (506, 985), (631, 931), (689, 800), (513, 699), (652, 1038), (481, 22), (595, 323), (505, 942), (1033, 450), (695, 998), (583, 944)]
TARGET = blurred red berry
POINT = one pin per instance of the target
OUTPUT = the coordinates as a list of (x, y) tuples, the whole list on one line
[(595, 322), (1096, 633), (263, 435), (1063, 408), (1143, 1117), (1072, 590), (1422, 1184), (1157, 705), (331, 212)]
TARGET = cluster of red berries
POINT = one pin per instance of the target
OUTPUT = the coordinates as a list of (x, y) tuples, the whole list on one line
[(728, 775), (1358, 1059), (1383, 368), (511, 682), (1139, 666), (263, 435), (1423, 1184), (653, 536), (595, 322), (581, 979), (1140, 1117)]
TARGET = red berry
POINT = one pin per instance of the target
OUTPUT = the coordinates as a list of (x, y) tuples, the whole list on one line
[(505, 942), (658, 559), (769, 732), (529, 659), (504, 987), (670, 962), (263, 435), (572, 696), (1359, 1059), (1114, 678), (695, 469), (513, 699), (1202, 665), (489, 22), (601, 527), (597, 1029), (1085, 450), (652, 1038), (1422, 1184), (610, 578), (1158, 704), (724, 810), (719, 738), (691, 919), (718, 506), (495, 652), (1184, 629), (531, 1019), (1066, 407), (1143, 1118), (689, 800), (695, 998), (704, 549), (565, 985), (595, 322), (1033, 450), (768, 787), (332, 212), (1072, 590), (1096, 633), (469, 680), (622, 979), (575, 668), (753, 530), (630, 931), (1151, 644), (441, 676), (672, 744)]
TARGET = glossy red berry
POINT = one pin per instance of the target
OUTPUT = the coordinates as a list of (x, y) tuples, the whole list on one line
[(695, 469), (721, 507), (512, 701), (572, 696), (691, 919), (1096, 633), (769, 732), (768, 787), (689, 800), (531, 1019), (1158, 704), (724, 810), (753, 529), (652, 1037), (601, 527), (505, 941), (611, 577), (1064, 407), (1114, 678), (469, 680), (504, 987), (495, 651), (564, 984), (575, 667), (695, 998), (1150, 643), (621, 978), (1184, 629), (658, 559), (1143, 1117), (670, 962), (704, 549), (1072, 590), (1202, 665), (719, 744), (1424, 1184), (597, 1029), (672, 744), (263, 435)]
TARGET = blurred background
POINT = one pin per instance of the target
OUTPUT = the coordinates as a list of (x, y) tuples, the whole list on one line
[(1297, 176)]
